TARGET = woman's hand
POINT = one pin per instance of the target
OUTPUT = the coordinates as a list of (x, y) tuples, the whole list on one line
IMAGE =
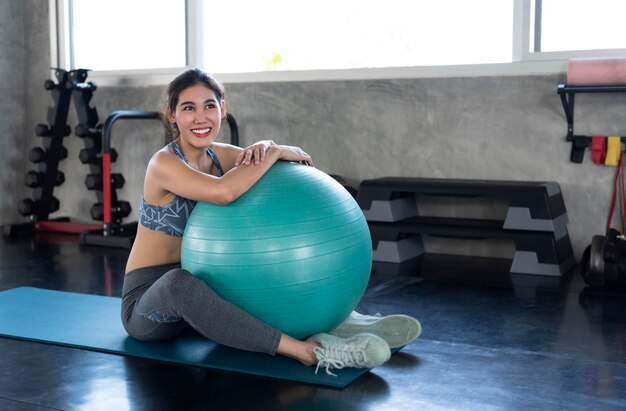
[(291, 153), (255, 152)]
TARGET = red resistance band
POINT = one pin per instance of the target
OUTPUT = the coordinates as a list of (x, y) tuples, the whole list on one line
[(619, 177), (598, 149)]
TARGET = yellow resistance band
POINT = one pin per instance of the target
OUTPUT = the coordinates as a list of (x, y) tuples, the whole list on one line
[(613, 150)]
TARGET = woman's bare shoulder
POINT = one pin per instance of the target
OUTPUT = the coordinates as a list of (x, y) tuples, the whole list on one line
[(164, 157), (225, 148)]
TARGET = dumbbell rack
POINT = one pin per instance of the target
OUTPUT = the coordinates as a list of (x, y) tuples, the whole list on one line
[(113, 233), (97, 154), (71, 85), (91, 133), (536, 220), (48, 176)]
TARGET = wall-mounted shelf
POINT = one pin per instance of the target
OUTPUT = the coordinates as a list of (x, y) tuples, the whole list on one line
[(568, 93)]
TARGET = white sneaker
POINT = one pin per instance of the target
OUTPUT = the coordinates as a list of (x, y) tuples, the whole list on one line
[(397, 330), (359, 351)]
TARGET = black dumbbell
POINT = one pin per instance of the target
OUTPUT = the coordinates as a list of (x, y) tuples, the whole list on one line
[(63, 154), (39, 155), (59, 178), (94, 181), (97, 211), (54, 205), (35, 179), (122, 209), (117, 181), (83, 130), (88, 156), (119, 210), (43, 130), (49, 85), (91, 156), (27, 207)]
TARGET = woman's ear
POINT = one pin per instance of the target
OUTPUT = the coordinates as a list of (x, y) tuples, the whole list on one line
[(170, 116), (224, 111)]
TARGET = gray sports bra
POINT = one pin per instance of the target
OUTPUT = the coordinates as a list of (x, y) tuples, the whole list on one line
[(171, 219)]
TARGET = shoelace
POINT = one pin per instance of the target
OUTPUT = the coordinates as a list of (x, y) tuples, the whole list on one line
[(338, 357)]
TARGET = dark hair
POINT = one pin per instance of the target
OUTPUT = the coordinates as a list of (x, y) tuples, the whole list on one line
[(183, 81)]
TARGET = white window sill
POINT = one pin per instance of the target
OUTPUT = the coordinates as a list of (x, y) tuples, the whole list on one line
[(162, 77)]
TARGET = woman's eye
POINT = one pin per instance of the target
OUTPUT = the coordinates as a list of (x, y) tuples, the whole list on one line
[(187, 108), (210, 106)]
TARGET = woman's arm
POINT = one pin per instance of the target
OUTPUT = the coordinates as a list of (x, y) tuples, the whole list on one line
[(255, 154), (167, 173), (232, 156)]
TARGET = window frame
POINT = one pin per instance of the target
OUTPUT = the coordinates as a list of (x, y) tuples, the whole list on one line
[(525, 13), (60, 48), (524, 61)]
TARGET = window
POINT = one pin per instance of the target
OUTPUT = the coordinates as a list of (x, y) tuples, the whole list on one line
[(126, 35), (346, 34), (569, 25), (147, 41)]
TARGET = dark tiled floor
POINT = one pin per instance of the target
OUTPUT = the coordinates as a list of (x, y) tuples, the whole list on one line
[(490, 342)]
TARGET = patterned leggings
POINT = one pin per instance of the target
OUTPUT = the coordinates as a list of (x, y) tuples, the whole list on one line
[(159, 302)]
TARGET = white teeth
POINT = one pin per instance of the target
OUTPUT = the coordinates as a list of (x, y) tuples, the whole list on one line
[(201, 130)]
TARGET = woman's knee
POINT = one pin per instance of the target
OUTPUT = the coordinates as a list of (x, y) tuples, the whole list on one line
[(176, 275), (178, 283)]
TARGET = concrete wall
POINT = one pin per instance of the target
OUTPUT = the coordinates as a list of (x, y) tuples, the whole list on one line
[(508, 128), (24, 66), (12, 105), (481, 128)]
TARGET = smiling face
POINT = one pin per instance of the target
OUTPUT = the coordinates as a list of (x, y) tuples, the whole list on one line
[(198, 115)]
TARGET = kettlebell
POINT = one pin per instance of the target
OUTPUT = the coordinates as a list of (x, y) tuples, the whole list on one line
[(604, 260)]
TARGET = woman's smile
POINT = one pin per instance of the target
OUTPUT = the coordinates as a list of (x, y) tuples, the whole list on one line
[(201, 132)]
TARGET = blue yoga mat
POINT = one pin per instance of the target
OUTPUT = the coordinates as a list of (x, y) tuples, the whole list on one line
[(92, 322)]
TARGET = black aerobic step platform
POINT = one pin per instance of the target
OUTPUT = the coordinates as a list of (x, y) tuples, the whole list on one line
[(536, 252), (536, 219), (532, 205)]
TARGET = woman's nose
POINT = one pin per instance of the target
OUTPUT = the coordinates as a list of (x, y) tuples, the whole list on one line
[(200, 115)]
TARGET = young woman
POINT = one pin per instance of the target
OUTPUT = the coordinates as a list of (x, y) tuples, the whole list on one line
[(160, 299)]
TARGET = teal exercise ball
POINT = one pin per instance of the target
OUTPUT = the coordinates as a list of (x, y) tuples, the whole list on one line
[(294, 251)]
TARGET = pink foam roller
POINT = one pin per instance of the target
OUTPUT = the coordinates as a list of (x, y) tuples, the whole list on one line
[(597, 71)]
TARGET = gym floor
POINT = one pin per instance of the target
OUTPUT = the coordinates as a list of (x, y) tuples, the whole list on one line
[(490, 341)]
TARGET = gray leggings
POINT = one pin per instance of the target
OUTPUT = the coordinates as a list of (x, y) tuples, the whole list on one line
[(159, 302)]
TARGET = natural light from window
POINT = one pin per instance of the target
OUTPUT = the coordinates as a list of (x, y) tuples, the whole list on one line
[(272, 35), (127, 35), (251, 36), (569, 25)]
